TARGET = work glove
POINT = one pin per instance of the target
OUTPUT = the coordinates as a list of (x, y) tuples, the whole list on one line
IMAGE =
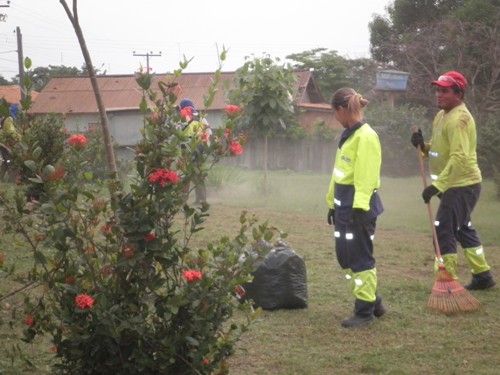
[(429, 192), (330, 217), (358, 215), (417, 139)]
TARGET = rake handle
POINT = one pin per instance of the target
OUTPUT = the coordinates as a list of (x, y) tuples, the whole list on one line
[(429, 207)]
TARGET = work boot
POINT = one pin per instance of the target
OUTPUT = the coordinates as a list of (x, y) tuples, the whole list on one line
[(379, 308), (357, 321), (481, 281), (363, 314)]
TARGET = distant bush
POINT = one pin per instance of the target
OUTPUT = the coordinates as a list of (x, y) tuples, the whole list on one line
[(488, 139), (399, 157)]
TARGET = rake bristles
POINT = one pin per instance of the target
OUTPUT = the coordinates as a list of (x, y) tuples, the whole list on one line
[(449, 297)]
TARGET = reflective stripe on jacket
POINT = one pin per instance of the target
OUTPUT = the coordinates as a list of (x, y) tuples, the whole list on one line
[(452, 150), (356, 173)]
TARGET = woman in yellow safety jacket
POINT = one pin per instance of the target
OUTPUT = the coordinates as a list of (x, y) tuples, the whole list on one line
[(354, 204)]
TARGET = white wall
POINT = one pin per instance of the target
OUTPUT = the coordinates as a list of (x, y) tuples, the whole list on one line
[(125, 126)]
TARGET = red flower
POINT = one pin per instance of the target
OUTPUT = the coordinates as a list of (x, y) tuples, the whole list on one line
[(106, 229), (70, 280), (99, 204), (235, 148), (206, 361), (58, 173), (187, 112), (205, 137), (78, 141), (128, 253), (106, 271), (232, 111), (149, 237), (90, 249), (192, 275), (162, 177), (240, 291), (84, 301), (29, 320)]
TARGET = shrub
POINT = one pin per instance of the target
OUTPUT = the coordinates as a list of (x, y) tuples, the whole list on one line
[(43, 141), (121, 289), (488, 138)]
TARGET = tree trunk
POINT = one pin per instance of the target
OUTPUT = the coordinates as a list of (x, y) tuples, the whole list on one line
[(110, 153), (266, 175)]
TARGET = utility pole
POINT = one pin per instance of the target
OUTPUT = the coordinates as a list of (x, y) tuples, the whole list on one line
[(20, 59), (147, 55)]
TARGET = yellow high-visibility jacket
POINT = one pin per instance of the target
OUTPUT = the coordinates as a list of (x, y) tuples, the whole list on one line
[(356, 174), (9, 134), (452, 150)]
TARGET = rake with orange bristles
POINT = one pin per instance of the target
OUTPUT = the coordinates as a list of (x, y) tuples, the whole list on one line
[(447, 295)]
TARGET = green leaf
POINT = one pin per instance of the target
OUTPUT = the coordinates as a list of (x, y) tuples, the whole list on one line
[(37, 180), (192, 341), (47, 172), (27, 63), (144, 105), (31, 165)]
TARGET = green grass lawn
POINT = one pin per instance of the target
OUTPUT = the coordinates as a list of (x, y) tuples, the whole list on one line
[(409, 339)]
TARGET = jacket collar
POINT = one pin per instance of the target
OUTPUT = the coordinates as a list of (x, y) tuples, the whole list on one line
[(348, 132)]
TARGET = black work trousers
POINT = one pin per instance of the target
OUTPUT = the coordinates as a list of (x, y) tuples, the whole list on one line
[(453, 219), (354, 245)]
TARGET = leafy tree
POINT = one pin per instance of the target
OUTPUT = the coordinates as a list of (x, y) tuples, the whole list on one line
[(264, 89), (394, 129), (488, 138), (97, 70), (40, 76), (4, 82), (331, 71), (428, 38)]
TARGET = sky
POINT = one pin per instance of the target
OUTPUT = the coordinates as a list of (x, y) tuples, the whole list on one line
[(120, 33)]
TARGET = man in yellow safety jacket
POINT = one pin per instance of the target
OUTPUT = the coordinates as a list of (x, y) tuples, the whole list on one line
[(194, 127), (456, 179), (9, 135)]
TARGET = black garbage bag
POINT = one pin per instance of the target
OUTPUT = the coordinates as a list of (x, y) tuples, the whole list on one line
[(279, 281)]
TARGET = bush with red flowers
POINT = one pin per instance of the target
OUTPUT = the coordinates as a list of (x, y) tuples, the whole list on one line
[(122, 290)]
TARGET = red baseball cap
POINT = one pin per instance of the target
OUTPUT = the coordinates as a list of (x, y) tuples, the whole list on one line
[(450, 79)]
